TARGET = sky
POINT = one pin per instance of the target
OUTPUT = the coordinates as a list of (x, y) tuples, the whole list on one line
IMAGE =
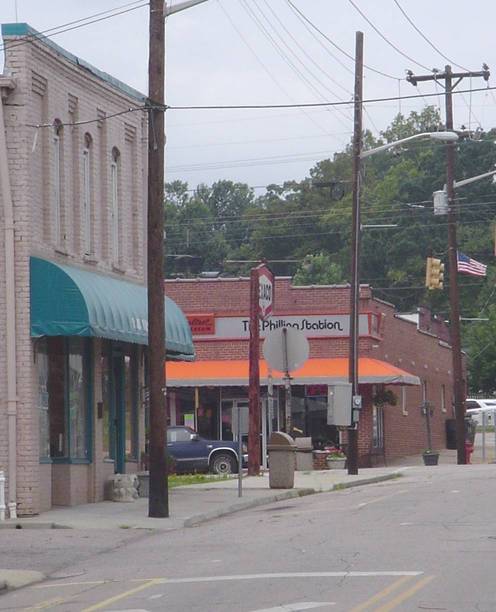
[(263, 52)]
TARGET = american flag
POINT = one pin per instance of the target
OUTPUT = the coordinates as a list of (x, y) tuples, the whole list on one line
[(467, 265)]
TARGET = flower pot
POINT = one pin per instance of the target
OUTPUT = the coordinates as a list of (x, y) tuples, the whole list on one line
[(336, 464), (431, 458)]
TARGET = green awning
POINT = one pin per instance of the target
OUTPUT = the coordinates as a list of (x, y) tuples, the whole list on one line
[(67, 301)]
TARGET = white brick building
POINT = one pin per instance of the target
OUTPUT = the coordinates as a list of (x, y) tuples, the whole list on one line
[(73, 198)]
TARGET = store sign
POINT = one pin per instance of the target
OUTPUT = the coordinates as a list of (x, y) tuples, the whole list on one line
[(202, 324), (265, 292), (313, 326)]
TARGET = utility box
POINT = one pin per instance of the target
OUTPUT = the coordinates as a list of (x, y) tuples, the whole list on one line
[(282, 460), (304, 454), (339, 409)]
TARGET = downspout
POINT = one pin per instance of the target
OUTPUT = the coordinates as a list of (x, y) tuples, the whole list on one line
[(6, 85)]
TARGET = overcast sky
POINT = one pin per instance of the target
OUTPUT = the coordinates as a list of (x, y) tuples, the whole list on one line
[(262, 52)]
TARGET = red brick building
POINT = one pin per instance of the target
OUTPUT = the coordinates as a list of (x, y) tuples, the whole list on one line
[(408, 354)]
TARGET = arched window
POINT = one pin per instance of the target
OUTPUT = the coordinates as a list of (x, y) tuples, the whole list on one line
[(114, 185), (87, 192), (57, 182)]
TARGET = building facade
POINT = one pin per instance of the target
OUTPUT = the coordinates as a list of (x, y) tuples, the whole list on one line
[(405, 360), (73, 309)]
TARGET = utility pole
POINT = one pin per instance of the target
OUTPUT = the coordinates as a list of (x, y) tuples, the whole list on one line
[(454, 296), (254, 379), (352, 453), (158, 503)]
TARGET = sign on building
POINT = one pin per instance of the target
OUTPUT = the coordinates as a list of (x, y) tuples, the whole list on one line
[(265, 292)]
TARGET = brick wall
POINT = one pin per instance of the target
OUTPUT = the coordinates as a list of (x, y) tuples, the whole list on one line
[(400, 343), (51, 86)]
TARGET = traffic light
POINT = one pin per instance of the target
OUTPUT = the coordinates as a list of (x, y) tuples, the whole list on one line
[(434, 273)]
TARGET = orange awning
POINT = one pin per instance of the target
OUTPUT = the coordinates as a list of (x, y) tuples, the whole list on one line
[(234, 373)]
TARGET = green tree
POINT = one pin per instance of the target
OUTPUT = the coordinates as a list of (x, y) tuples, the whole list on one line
[(318, 269)]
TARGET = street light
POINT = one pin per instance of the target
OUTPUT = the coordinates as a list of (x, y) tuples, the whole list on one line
[(358, 155), (439, 136)]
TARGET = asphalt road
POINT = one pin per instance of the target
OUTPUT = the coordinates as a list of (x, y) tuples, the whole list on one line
[(426, 541)]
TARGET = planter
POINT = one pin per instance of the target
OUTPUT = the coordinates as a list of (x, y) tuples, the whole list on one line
[(336, 464), (430, 458)]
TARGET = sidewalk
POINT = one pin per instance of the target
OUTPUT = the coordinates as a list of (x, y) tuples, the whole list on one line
[(194, 504)]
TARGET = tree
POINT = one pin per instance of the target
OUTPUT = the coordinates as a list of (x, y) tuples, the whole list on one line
[(318, 269)]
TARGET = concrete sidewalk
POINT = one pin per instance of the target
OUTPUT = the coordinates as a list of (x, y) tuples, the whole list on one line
[(194, 504)]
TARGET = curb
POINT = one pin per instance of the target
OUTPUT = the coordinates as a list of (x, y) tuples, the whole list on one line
[(198, 519), (16, 579)]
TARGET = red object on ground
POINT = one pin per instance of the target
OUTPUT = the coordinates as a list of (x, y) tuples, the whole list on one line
[(469, 449)]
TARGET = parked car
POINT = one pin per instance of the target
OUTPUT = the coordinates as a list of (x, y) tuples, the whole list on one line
[(192, 453), (477, 407)]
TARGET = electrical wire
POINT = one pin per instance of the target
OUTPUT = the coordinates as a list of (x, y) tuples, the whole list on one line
[(329, 40), (427, 40), (95, 18), (385, 38), (318, 104)]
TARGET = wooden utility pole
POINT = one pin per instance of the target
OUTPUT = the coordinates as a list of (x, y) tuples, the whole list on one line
[(352, 453), (454, 297), (158, 503), (254, 381)]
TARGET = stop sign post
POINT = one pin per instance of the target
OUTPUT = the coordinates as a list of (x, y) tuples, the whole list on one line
[(261, 306)]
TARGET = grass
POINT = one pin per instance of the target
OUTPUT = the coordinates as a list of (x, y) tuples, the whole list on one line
[(180, 480)]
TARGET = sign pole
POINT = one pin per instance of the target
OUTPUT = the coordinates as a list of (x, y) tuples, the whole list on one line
[(254, 388)]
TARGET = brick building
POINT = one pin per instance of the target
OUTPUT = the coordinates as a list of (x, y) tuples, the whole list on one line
[(407, 354), (73, 304)]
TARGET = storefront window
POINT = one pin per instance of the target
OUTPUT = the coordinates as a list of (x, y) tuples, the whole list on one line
[(106, 419), (131, 386), (377, 427), (42, 367), (78, 404), (63, 382)]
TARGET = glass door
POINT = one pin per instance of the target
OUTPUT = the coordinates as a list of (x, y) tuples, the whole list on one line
[(228, 429)]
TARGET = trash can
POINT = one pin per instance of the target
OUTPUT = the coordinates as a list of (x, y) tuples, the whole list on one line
[(282, 460), (304, 456), (451, 434)]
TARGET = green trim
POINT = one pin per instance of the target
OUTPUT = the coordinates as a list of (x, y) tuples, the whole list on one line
[(46, 460), (23, 29), (70, 460)]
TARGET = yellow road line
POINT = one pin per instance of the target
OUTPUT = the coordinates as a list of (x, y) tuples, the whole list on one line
[(405, 595), (48, 603), (381, 594), (111, 600)]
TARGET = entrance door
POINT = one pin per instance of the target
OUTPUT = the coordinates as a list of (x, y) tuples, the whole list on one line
[(228, 429), (117, 416)]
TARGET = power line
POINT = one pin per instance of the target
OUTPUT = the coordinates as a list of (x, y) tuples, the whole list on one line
[(78, 23), (318, 104), (329, 40), (385, 38), (427, 40)]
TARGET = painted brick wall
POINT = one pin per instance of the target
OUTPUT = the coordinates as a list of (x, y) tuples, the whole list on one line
[(50, 87)]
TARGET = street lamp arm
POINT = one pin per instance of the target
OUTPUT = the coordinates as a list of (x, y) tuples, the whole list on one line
[(182, 6), (442, 136), (473, 179)]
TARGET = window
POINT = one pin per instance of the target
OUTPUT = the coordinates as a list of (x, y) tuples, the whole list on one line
[(64, 406), (404, 407), (114, 185), (179, 434), (443, 398), (42, 368), (107, 431), (377, 427), (57, 182), (131, 407), (87, 200)]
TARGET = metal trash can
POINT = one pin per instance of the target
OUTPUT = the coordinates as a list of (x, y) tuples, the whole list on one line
[(304, 456), (282, 460)]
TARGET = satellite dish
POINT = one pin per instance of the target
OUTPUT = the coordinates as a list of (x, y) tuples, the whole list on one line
[(286, 349)]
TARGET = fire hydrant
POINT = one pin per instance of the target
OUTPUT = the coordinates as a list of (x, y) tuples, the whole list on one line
[(469, 449)]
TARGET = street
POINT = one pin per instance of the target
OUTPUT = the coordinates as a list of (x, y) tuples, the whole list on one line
[(422, 541)]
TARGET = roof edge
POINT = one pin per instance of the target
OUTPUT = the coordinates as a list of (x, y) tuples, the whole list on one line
[(24, 29)]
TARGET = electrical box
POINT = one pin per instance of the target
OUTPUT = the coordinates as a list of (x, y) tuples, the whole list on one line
[(440, 202), (339, 408)]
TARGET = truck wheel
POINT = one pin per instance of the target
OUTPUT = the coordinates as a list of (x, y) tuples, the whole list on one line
[(223, 463)]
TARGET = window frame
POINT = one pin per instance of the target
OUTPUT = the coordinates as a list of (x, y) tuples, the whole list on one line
[(114, 199), (57, 183), (87, 196)]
